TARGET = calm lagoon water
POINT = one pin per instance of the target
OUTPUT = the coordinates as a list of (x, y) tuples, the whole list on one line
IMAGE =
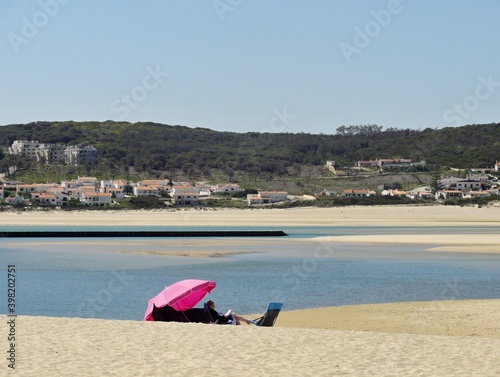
[(114, 278)]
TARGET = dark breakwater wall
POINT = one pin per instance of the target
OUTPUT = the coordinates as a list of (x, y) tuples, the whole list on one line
[(155, 233)]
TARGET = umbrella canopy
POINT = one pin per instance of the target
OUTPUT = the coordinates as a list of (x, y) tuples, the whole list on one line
[(184, 294)]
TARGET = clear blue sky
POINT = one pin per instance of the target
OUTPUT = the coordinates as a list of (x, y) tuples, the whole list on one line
[(252, 65)]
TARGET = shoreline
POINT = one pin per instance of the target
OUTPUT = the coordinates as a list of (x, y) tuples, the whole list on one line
[(432, 338), (403, 218), (309, 216), (463, 318), (478, 318)]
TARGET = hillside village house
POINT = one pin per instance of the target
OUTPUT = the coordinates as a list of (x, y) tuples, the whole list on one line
[(267, 197), (330, 165), (114, 188), (87, 181), (476, 194), (115, 192), (465, 185), (368, 164), (395, 193), (225, 188), (146, 191), (483, 170), (203, 189), (472, 182), (185, 195), (56, 199), (77, 193), (422, 194), (70, 184), (384, 162), (96, 198), (165, 184), (326, 192), (11, 183), (477, 177), (46, 198), (358, 193), (446, 194), (23, 189)]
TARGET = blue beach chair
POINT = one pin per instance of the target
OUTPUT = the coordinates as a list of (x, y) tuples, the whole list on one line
[(270, 316)]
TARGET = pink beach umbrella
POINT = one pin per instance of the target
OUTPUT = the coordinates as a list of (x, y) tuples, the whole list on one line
[(184, 294)]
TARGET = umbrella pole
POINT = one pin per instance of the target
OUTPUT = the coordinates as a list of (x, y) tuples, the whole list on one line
[(184, 314)]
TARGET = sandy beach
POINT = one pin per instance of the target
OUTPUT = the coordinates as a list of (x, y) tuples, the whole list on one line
[(440, 338), (449, 338), (311, 216), (397, 216)]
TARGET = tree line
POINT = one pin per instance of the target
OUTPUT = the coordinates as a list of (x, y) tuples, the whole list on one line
[(152, 148)]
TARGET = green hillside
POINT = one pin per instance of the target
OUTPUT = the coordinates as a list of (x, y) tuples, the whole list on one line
[(153, 149)]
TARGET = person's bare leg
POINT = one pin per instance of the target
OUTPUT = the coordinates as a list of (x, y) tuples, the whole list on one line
[(235, 320), (239, 319)]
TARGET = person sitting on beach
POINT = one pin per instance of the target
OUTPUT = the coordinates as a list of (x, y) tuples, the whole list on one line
[(230, 318)]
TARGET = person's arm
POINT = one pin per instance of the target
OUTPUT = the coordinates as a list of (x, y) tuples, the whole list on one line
[(216, 316)]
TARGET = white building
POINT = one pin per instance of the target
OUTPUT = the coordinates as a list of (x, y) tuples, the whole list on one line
[(186, 199), (465, 185), (477, 177), (185, 195), (96, 198), (203, 189), (476, 194), (113, 188), (395, 193), (52, 199), (145, 191), (26, 148), (357, 193), (75, 155), (446, 194), (427, 195), (51, 153), (226, 188), (23, 189), (267, 197), (87, 181)]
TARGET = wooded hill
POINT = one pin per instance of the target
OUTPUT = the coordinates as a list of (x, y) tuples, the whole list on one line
[(153, 148)]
